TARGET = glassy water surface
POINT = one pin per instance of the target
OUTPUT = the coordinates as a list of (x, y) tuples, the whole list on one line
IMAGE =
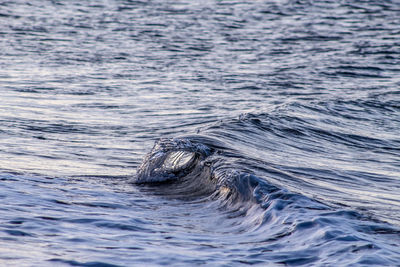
[(185, 133)]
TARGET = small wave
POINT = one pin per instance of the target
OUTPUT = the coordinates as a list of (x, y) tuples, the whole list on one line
[(196, 166), (188, 169), (184, 168), (86, 264)]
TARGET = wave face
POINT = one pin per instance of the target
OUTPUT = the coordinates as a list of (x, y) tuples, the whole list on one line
[(185, 133), (324, 147)]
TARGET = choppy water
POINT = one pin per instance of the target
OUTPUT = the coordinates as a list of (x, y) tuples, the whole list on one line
[(221, 133)]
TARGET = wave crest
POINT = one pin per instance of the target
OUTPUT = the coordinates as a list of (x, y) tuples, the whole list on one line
[(170, 159)]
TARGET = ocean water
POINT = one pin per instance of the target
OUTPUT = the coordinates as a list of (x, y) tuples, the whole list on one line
[(184, 133)]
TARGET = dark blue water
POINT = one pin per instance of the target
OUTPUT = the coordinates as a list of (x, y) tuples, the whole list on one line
[(218, 133)]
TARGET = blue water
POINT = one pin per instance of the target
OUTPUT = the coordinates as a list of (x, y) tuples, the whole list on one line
[(217, 133)]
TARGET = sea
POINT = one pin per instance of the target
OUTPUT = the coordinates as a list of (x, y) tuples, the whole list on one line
[(199, 133)]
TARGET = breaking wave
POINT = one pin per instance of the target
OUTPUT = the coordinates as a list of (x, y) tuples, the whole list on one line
[(265, 197)]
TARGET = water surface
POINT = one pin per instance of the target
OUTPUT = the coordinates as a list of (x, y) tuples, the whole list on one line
[(181, 133)]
